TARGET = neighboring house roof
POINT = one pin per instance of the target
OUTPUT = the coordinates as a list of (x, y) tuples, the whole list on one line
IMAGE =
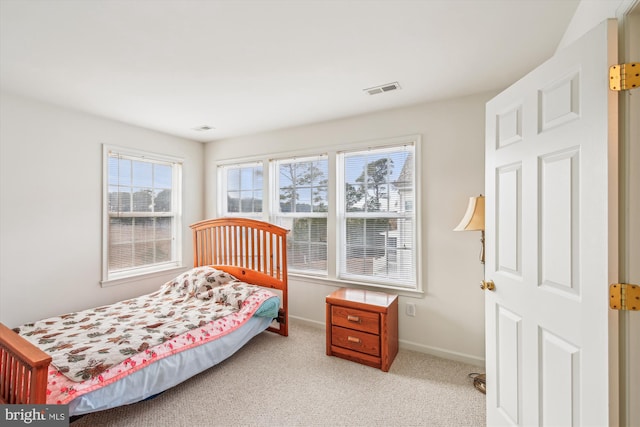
[(405, 179)]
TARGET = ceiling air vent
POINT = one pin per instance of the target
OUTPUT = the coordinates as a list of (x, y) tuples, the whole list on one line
[(382, 88)]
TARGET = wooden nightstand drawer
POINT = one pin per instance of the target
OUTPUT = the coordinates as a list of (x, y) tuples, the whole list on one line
[(352, 318), (355, 340)]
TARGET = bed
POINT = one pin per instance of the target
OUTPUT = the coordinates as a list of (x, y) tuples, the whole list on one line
[(240, 266)]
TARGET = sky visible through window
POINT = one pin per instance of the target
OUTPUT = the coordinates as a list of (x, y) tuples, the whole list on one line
[(399, 157), (133, 176)]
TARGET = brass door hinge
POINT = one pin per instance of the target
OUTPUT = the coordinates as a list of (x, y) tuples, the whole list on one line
[(623, 296), (624, 76)]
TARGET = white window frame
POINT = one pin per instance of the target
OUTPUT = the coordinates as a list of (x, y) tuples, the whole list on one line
[(335, 246), (110, 278), (276, 214), (222, 170), (343, 216)]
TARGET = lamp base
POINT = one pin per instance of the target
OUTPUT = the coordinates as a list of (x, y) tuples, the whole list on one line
[(479, 382)]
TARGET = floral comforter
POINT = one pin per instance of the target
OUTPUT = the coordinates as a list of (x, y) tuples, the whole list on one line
[(97, 346)]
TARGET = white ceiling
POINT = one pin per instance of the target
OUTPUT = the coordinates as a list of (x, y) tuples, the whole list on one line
[(253, 66)]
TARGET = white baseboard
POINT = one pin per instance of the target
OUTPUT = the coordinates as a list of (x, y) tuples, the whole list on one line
[(309, 322), (409, 345), (445, 354)]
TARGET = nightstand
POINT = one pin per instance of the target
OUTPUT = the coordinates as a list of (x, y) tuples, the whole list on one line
[(362, 326)]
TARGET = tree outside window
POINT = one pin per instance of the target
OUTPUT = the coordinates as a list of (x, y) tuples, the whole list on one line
[(378, 237), (303, 208), (373, 220)]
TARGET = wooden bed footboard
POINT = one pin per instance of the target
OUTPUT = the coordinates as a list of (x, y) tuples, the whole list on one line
[(23, 370)]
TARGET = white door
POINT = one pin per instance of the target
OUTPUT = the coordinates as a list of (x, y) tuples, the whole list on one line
[(551, 224), (630, 245)]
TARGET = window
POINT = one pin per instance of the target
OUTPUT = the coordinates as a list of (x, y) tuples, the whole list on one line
[(142, 213), (242, 183), (302, 207), (376, 217), (351, 210)]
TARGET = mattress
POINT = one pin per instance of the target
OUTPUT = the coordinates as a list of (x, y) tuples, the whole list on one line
[(172, 370)]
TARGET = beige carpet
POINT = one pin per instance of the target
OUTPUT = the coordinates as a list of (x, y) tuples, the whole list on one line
[(278, 381)]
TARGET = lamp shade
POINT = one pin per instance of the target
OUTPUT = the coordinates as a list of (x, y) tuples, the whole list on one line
[(473, 219)]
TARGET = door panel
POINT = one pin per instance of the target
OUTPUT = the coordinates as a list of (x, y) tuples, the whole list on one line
[(509, 354), (559, 220), (509, 126), (551, 236), (559, 102), (508, 220), (559, 381)]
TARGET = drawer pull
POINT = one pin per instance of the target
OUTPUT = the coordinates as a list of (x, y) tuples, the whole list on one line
[(352, 318), (353, 339)]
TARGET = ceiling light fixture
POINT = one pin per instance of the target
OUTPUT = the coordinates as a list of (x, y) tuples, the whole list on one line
[(203, 128)]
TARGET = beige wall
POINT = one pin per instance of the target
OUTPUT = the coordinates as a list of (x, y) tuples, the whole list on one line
[(51, 207), (449, 317), (51, 210), (590, 13)]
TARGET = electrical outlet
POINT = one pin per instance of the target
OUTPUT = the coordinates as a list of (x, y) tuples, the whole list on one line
[(411, 310)]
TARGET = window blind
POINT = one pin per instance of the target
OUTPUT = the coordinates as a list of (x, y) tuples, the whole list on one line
[(142, 212), (377, 216)]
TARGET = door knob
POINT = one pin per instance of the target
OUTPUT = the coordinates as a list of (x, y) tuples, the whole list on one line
[(487, 285)]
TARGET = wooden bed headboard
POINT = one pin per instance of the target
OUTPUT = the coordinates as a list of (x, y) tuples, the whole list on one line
[(253, 251)]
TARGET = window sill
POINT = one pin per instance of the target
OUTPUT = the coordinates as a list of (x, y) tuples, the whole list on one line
[(173, 271), (412, 293)]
